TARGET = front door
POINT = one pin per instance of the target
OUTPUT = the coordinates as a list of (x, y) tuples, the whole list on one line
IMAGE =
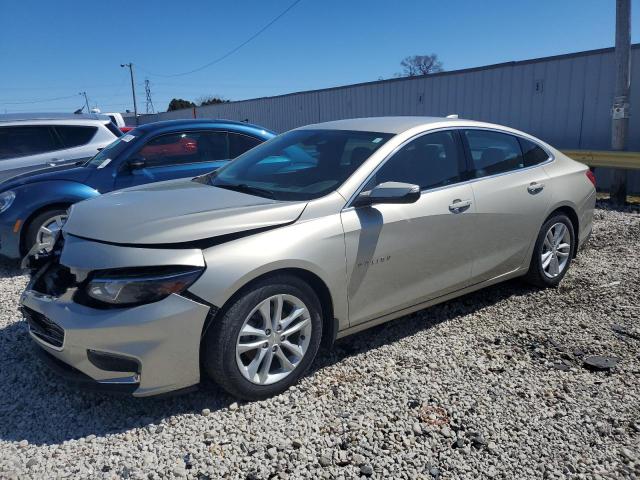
[(401, 255), (174, 155)]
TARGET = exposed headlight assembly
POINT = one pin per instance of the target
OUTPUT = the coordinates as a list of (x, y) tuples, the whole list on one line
[(137, 286), (6, 199)]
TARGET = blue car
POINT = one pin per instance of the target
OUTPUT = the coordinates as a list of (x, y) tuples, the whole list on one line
[(33, 206)]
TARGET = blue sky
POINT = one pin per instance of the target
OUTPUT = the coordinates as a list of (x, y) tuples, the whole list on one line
[(51, 49)]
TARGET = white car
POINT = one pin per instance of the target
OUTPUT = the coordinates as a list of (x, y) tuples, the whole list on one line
[(34, 141)]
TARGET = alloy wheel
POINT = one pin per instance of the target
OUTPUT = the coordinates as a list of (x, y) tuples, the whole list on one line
[(555, 250), (47, 232), (274, 339)]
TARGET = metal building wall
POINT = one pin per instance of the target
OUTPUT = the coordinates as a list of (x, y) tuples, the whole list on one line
[(564, 100)]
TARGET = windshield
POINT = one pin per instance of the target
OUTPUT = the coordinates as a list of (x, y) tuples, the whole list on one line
[(111, 151), (299, 165)]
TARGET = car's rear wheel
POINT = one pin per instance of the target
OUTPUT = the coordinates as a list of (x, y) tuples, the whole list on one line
[(553, 252), (266, 339), (43, 228)]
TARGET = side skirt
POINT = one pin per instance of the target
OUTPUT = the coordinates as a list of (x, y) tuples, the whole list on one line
[(420, 306)]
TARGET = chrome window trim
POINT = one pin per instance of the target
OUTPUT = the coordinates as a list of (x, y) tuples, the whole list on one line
[(551, 158)]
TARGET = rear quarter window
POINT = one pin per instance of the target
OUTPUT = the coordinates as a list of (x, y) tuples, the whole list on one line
[(533, 154), (75, 136)]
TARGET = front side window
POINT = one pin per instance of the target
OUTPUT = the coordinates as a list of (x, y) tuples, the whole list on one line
[(28, 140), (493, 152), (299, 165), (430, 161), (184, 147), (75, 136)]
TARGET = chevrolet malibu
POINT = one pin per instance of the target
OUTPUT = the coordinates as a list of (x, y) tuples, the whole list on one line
[(239, 275)]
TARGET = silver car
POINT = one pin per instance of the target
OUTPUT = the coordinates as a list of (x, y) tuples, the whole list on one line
[(319, 233), (32, 141)]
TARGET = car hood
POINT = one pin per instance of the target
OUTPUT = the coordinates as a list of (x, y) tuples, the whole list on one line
[(71, 173), (176, 212)]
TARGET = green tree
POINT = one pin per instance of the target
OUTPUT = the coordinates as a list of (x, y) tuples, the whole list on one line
[(179, 103), (211, 100)]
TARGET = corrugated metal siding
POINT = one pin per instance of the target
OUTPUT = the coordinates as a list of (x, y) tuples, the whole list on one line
[(572, 111)]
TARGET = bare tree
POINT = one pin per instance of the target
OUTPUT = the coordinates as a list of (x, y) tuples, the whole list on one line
[(417, 65)]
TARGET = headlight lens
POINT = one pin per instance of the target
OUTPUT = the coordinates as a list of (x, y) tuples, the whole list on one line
[(6, 199), (139, 286)]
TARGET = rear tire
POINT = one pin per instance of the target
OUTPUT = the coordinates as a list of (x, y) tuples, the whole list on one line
[(49, 218), (552, 253), (257, 366)]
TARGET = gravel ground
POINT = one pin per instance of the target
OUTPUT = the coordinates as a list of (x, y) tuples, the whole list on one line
[(491, 385)]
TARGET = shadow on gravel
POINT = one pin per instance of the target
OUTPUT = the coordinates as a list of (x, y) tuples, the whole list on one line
[(38, 407)]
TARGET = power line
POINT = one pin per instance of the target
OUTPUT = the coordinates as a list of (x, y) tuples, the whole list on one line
[(230, 52), (41, 100)]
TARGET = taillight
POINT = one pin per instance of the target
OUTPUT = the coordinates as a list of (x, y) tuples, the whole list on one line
[(591, 177)]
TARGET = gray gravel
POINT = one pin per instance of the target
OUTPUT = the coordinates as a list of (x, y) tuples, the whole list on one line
[(492, 385)]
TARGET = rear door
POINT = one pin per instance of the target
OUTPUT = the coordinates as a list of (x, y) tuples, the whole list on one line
[(511, 199), (26, 147), (76, 143), (401, 255)]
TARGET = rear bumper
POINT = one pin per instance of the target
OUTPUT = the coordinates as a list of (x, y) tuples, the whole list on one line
[(162, 339)]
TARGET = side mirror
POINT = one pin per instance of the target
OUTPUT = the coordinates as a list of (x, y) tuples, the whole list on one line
[(136, 164), (389, 192)]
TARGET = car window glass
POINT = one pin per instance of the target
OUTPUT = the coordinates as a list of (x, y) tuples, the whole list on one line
[(300, 164), (429, 161), (238, 144), (184, 147), (532, 153), (28, 140), (75, 136), (493, 152)]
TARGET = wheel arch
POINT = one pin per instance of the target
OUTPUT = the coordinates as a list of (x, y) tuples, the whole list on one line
[(329, 322), (570, 212), (27, 222)]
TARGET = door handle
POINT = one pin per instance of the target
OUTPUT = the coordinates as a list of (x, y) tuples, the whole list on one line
[(459, 206), (535, 187)]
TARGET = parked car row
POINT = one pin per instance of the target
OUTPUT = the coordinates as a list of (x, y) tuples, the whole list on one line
[(33, 205), (240, 272)]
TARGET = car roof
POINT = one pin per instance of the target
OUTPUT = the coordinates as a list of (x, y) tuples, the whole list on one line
[(20, 117), (196, 122), (394, 125)]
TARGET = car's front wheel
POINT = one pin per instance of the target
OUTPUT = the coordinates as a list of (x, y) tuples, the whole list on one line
[(43, 228), (553, 252), (266, 339)]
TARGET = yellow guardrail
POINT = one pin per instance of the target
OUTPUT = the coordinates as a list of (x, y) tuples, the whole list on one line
[(606, 158)]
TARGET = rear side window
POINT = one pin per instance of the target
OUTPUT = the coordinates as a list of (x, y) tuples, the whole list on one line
[(493, 152), (430, 161), (532, 153), (28, 140), (238, 144), (75, 136)]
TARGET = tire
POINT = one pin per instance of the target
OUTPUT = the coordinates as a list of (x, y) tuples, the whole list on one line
[(223, 341), (39, 221), (545, 276)]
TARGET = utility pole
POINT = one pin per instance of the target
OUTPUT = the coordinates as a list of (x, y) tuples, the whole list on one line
[(147, 89), (86, 100), (133, 89), (620, 110)]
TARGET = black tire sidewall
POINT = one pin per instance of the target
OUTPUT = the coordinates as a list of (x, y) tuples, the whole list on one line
[(219, 359), (536, 272)]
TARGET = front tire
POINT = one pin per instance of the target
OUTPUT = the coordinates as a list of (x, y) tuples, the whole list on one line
[(553, 252), (43, 228), (266, 339)]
